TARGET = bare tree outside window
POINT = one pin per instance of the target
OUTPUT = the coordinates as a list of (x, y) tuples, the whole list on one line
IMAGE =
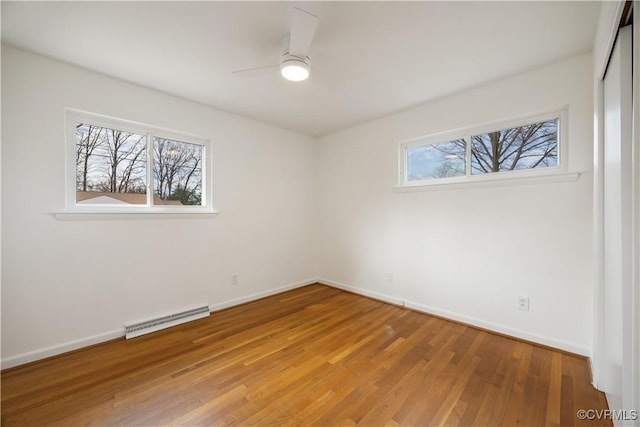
[(525, 147), (119, 166), (88, 139), (177, 171), (530, 146), (110, 161)]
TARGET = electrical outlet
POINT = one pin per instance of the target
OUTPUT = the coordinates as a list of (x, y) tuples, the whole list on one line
[(523, 303), (234, 279)]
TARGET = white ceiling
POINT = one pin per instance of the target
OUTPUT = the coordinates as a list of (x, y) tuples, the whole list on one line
[(376, 57)]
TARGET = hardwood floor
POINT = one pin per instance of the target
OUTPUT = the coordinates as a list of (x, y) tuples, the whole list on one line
[(311, 356)]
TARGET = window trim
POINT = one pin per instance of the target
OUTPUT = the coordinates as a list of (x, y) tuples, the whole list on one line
[(73, 116), (467, 132)]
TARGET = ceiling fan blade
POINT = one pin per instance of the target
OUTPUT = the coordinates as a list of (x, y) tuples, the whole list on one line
[(303, 28), (255, 70)]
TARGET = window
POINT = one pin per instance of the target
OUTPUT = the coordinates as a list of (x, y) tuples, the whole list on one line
[(120, 166), (519, 148)]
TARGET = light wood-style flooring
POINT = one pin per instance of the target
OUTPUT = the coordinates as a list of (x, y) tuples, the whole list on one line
[(311, 356)]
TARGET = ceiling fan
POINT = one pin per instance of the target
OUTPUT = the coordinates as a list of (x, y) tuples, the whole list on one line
[(294, 65)]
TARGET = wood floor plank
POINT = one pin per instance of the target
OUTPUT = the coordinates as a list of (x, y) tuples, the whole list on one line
[(555, 389), (495, 403), (311, 356)]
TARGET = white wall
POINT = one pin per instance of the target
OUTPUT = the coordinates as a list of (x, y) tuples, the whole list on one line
[(69, 283), (468, 253), (463, 253)]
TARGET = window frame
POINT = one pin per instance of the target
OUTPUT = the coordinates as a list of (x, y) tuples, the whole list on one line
[(561, 114), (72, 117)]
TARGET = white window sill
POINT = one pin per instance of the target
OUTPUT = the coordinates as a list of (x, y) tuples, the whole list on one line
[(489, 182), (102, 216)]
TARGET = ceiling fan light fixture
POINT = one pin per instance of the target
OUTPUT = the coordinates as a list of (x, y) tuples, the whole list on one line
[(295, 69)]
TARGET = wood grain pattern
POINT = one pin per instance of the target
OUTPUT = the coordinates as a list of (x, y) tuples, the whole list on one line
[(311, 356)]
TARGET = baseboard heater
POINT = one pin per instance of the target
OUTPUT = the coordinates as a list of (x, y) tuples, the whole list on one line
[(142, 328)]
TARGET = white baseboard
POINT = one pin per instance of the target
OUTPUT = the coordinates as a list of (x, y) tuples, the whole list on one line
[(473, 321), (258, 295), (365, 292), (32, 356)]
